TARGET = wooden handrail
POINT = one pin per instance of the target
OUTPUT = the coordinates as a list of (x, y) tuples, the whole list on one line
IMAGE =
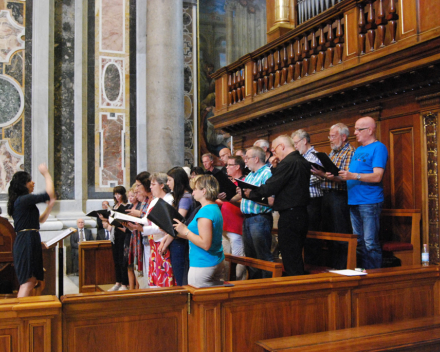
[(275, 268)]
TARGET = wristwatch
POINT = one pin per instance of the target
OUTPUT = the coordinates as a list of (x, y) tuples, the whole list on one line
[(358, 177)]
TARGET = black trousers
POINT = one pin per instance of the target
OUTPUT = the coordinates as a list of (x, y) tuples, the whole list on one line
[(313, 253), (336, 218), (292, 232), (118, 258)]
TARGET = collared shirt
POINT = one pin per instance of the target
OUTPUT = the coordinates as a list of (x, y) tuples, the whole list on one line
[(256, 178), (341, 158), (315, 182)]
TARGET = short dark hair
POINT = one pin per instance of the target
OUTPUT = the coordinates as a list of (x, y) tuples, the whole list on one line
[(144, 178), (238, 160), (122, 191)]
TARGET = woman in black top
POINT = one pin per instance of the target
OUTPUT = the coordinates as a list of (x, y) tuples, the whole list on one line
[(28, 257), (120, 197)]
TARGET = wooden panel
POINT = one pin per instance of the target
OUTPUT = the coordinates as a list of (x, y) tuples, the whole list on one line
[(402, 168), (258, 319), (49, 263), (394, 302), (351, 33), (30, 324), (96, 265), (408, 19), (403, 179), (143, 320), (37, 336), (9, 340), (429, 14)]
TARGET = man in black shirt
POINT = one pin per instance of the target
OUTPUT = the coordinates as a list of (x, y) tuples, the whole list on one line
[(290, 185)]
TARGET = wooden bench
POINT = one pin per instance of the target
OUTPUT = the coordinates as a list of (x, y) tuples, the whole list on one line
[(408, 253), (411, 335), (351, 239), (275, 268)]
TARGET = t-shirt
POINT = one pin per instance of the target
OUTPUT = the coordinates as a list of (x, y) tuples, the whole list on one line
[(186, 202), (363, 161), (198, 257)]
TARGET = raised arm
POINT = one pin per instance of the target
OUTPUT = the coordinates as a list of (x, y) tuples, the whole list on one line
[(50, 189)]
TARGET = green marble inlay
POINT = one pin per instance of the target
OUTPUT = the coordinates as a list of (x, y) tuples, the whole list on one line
[(10, 101), (112, 82)]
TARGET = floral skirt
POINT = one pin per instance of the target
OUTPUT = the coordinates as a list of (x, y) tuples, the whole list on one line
[(136, 252), (160, 270)]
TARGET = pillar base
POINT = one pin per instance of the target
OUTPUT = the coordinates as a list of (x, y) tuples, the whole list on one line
[(277, 30)]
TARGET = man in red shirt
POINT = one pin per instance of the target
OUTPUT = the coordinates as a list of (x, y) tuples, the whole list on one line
[(233, 218)]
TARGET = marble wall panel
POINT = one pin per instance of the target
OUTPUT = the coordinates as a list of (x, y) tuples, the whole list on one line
[(12, 90), (189, 83), (27, 68), (10, 163), (15, 69), (112, 23), (10, 36), (112, 146), (64, 128)]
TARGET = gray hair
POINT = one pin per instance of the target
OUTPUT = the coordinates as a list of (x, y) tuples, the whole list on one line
[(342, 128), (209, 155), (162, 179), (284, 138), (259, 153), (301, 135), (262, 143)]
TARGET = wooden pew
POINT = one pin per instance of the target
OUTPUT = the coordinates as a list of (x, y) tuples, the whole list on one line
[(408, 253), (351, 239), (141, 320), (96, 265), (411, 335), (30, 324), (275, 268), (234, 318)]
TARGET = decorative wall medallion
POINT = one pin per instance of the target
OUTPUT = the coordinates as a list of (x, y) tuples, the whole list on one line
[(15, 69), (187, 48), (112, 82), (10, 36), (112, 79), (11, 101)]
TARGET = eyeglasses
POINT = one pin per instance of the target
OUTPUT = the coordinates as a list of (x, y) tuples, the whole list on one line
[(273, 149), (246, 158), (231, 165), (332, 137), (361, 129), (296, 143)]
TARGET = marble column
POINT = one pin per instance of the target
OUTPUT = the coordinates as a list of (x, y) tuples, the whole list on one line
[(229, 8), (165, 111), (141, 77)]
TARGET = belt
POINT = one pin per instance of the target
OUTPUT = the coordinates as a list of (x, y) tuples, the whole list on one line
[(328, 190), (38, 230), (247, 216)]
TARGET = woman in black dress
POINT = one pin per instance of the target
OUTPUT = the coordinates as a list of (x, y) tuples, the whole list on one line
[(120, 198), (28, 257)]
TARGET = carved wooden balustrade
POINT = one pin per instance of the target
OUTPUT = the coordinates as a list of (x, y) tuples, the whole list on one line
[(308, 9), (345, 36)]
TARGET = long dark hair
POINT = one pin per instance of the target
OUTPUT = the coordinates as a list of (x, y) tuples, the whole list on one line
[(144, 178), (181, 184), (17, 188), (121, 190)]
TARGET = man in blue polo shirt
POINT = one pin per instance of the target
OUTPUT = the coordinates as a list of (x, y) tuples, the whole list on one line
[(365, 192)]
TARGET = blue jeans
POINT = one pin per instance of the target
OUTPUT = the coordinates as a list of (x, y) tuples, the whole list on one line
[(179, 253), (257, 240), (365, 219)]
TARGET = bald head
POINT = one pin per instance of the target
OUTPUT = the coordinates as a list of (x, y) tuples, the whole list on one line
[(224, 154), (282, 146), (365, 130)]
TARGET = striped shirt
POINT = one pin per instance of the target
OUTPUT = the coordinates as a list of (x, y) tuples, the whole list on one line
[(256, 178), (315, 182), (341, 158)]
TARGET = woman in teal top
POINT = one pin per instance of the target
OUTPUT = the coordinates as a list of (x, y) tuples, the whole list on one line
[(204, 233)]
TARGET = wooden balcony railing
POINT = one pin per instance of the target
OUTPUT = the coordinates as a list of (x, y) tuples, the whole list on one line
[(346, 34)]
